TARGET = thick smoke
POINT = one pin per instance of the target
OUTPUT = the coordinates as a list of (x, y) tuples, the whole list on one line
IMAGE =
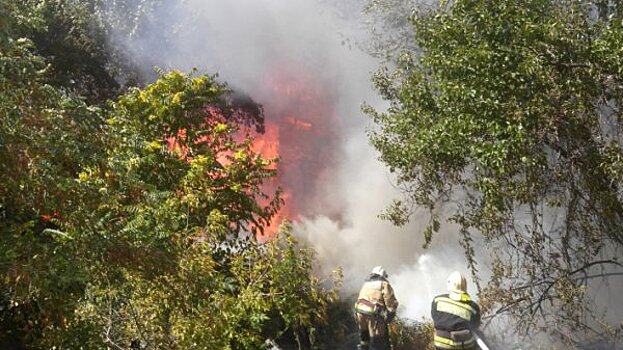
[(299, 59), (341, 187)]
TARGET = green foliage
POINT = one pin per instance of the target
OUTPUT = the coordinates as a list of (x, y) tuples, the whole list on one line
[(208, 298), (134, 220), (41, 149), (74, 42), (71, 37), (512, 110), (408, 334)]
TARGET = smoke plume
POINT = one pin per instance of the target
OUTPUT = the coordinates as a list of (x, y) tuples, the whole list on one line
[(297, 59)]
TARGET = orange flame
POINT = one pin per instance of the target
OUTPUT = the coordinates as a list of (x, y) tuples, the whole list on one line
[(300, 129), (267, 144), (300, 126)]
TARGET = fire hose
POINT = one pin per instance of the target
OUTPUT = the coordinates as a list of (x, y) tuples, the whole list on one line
[(481, 343)]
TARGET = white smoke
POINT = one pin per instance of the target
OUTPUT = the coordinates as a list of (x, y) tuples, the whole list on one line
[(365, 241), (241, 41)]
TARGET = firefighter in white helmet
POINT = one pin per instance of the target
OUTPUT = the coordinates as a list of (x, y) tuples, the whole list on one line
[(374, 310), (455, 316)]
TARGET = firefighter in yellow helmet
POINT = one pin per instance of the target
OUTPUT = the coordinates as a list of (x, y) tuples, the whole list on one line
[(455, 316), (374, 310)]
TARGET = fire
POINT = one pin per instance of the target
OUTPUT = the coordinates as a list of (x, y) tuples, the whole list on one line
[(301, 130), (299, 124), (267, 144)]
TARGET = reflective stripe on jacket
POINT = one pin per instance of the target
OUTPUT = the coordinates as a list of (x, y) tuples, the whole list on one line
[(449, 340), (378, 292), (365, 307), (456, 308), (454, 316)]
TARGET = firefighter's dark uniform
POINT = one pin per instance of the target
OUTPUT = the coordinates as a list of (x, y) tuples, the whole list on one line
[(455, 315), (375, 308)]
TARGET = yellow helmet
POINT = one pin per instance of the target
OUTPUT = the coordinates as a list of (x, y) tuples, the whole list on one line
[(457, 282)]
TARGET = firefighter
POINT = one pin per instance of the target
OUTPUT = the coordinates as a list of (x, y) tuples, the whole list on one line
[(456, 316), (374, 310)]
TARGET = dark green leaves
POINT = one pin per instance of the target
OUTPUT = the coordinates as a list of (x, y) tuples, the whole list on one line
[(506, 115)]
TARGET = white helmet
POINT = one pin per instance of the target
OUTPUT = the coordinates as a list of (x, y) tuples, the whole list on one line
[(379, 270), (457, 282)]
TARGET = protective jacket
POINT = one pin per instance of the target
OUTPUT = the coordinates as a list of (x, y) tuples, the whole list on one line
[(455, 317), (376, 296), (375, 307)]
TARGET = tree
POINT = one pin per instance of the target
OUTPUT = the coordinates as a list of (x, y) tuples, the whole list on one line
[(178, 265), (41, 149), (133, 223), (507, 117), (388, 23)]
